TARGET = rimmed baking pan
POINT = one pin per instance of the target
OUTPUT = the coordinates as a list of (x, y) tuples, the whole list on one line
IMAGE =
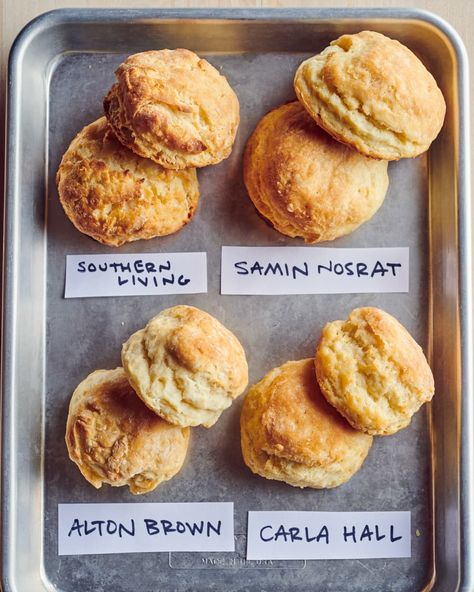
[(61, 65)]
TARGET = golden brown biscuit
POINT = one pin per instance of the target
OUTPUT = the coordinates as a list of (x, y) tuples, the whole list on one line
[(115, 196), (114, 438), (173, 107), (186, 366), (306, 183), (373, 93), (290, 433), (373, 371)]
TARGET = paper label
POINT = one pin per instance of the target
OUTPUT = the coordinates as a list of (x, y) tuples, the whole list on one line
[(313, 270), (328, 535), (135, 275), (89, 529)]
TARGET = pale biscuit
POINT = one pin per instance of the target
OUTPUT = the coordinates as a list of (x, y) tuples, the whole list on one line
[(186, 366), (114, 438), (373, 93), (373, 371), (307, 184), (290, 433), (173, 107), (115, 196)]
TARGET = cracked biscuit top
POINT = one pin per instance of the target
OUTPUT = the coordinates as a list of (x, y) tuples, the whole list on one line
[(372, 371), (186, 366), (114, 438), (373, 93), (115, 196), (290, 433), (173, 107)]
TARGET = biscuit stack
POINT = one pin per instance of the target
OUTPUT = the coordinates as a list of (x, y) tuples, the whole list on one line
[(130, 426), (317, 168), (310, 423), (130, 175)]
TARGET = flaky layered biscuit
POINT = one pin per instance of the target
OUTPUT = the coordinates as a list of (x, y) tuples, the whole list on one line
[(173, 107), (373, 93), (115, 196), (186, 366), (307, 184), (114, 438), (372, 371), (290, 433)]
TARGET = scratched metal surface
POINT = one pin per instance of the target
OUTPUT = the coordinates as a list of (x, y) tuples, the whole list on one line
[(81, 335)]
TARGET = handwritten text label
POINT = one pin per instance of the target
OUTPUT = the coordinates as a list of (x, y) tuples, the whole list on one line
[(328, 535), (313, 270), (88, 529), (135, 275)]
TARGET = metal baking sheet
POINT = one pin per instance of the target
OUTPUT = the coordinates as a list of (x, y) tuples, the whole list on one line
[(60, 68)]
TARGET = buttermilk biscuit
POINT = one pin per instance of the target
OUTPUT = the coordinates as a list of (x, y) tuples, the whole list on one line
[(114, 438), (186, 366), (306, 183), (173, 107), (372, 93), (290, 433), (372, 371), (115, 196)]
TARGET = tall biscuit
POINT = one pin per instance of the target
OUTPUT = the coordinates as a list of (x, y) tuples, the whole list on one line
[(307, 184), (372, 93), (173, 107), (290, 433), (115, 196)]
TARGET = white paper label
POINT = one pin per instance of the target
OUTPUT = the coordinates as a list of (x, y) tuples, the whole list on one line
[(89, 529), (328, 535), (313, 270), (135, 275)]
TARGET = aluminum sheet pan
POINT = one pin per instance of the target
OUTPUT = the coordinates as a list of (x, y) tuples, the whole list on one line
[(60, 68)]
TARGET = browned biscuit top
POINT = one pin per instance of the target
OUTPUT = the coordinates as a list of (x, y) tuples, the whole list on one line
[(115, 196), (173, 107), (305, 182), (114, 438), (373, 93), (186, 366), (290, 433)]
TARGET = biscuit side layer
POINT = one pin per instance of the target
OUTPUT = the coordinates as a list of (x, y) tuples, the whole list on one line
[(115, 196)]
